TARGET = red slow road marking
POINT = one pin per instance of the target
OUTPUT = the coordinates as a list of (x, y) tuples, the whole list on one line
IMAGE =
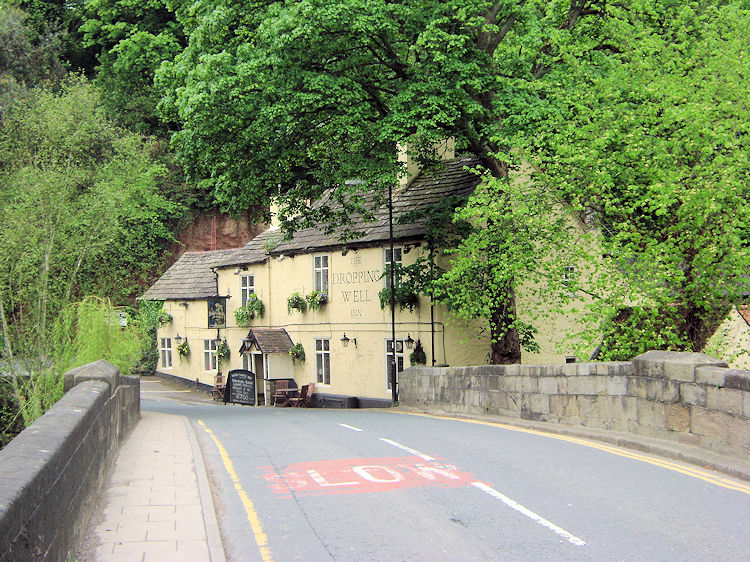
[(354, 476)]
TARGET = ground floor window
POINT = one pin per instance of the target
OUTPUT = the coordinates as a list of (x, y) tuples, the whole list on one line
[(323, 361), (389, 356), (166, 352), (209, 355)]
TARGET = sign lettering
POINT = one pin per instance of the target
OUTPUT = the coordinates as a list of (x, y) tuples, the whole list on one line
[(351, 476)]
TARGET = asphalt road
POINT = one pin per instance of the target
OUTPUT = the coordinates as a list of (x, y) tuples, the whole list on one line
[(310, 484)]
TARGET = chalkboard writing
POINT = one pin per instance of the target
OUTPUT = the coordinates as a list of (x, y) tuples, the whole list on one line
[(241, 387)]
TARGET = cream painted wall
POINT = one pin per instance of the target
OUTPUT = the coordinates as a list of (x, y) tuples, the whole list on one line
[(731, 341)]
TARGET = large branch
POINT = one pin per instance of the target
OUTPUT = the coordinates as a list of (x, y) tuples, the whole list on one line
[(578, 9), (487, 41)]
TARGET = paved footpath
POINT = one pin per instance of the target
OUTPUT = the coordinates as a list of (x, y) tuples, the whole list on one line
[(157, 503)]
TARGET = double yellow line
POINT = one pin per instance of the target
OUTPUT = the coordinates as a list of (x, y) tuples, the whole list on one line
[(252, 516), (695, 472)]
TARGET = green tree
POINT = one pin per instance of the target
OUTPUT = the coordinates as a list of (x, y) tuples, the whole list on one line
[(651, 136), (306, 95), (27, 58), (81, 208), (131, 40)]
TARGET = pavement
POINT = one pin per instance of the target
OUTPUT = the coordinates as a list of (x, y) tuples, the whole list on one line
[(157, 502)]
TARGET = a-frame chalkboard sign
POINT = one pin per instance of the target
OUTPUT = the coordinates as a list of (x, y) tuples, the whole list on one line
[(240, 387)]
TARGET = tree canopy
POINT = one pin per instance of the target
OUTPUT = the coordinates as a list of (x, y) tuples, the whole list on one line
[(293, 98), (651, 136), (82, 211)]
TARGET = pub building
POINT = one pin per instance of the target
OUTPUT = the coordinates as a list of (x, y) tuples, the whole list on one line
[(311, 307)]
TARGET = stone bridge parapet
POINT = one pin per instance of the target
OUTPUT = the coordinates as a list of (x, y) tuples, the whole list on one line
[(51, 473), (687, 398)]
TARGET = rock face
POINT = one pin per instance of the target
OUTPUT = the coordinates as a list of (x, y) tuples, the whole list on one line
[(215, 231)]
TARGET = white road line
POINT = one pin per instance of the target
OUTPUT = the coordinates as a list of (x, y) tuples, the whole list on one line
[(350, 427), (408, 449), (528, 513)]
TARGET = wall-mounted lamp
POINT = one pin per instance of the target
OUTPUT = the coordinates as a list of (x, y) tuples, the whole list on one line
[(344, 251), (345, 341), (185, 304), (409, 341), (240, 270), (178, 338)]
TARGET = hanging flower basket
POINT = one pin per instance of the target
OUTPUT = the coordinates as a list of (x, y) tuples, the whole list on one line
[(164, 318), (252, 309), (296, 302), (405, 298), (297, 353), (222, 351), (316, 300), (418, 356), (183, 349)]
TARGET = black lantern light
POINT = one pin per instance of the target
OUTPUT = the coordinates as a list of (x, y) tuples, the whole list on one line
[(345, 341)]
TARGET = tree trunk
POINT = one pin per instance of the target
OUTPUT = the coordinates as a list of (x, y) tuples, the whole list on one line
[(505, 348)]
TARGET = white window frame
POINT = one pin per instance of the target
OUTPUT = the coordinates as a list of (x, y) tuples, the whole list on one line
[(320, 273), (568, 278), (210, 362), (165, 350), (323, 361), (398, 251), (247, 288), (400, 358)]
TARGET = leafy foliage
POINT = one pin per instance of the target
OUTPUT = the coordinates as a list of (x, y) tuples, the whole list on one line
[(301, 97), (183, 349), (28, 57), (418, 356), (82, 332), (316, 299), (651, 136), (131, 39), (296, 302), (81, 208), (405, 296), (297, 352), (251, 309), (521, 243), (222, 351)]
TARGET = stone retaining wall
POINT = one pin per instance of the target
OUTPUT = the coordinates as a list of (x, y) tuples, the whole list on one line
[(51, 472), (688, 398)]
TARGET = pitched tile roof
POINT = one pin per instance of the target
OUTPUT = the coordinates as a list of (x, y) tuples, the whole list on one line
[(744, 311), (268, 340), (190, 277), (452, 179), (254, 251)]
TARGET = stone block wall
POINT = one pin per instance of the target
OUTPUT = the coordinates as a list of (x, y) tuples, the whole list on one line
[(688, 398), (51, 472)]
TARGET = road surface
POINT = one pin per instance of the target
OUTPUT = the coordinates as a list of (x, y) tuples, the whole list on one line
[(313, 484)]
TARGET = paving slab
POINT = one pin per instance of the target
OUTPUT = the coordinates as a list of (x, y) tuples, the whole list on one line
[(157, 503)]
